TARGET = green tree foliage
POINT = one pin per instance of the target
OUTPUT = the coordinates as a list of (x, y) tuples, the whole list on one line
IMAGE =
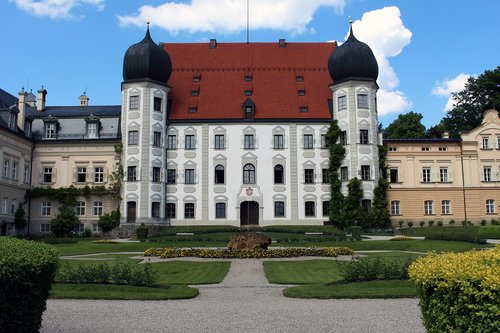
[(109, 221), (379, 216), (353, 212), (337, 154), (20, 219), (406, 126), (65, 221), (480, 94)]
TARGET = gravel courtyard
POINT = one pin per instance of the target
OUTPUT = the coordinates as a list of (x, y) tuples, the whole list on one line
[(243, 302)]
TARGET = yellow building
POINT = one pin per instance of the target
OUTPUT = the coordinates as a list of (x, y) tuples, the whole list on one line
[(446, 179)]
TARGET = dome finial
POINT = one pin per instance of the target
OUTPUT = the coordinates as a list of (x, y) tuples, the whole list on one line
[(351, 32)]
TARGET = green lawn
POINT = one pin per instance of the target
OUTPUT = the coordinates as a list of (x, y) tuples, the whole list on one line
[(365, 289), (99, 291), (302, 272), (190, 272)]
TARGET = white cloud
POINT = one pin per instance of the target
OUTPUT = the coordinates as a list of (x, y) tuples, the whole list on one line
[(384, 31), (448, 86), (56, 9), (228, 16)]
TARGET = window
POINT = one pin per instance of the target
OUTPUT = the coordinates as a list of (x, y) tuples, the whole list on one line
[(44, 227), (13, 206), (485, 143), (220, 210), (309, 176), (156, 174), (97, 208), (196, 78), (5, 203), (219, 174), (366, 204), (132, 173), (134, 103), (308, 141), (425, 148), (192, 109), (301, 92), (443, 175), (219, 141), (303, 109), (248, 92), (157, 139), (393, 149), (81, 174), (279, 209), (343, 138), (46, 208), (324, 176), (26, 177), (155, 209), (248, 78), (133, 138), (80, 208), (310, 209), (170, 213), (47, 175), (157, 104), (326, 208), (363, 137), (249, 174), (50, 130), (195, 93), (428, 207), (299, 78), (487, 174), (172, 142), (6, 168), (498, 142), (189, 142), (249, 141), (14, 170), (443, 149), (189, 211), (342, 102), (95, 227), (278, 174), (362, 101), (324, 143), (278, 141), (344, 174), (490, 206), (426, 175), (171, 175), (445, 207), (189, 176), (395, 208), (92, 130), (98, 175), (365, 172), (393, 173)]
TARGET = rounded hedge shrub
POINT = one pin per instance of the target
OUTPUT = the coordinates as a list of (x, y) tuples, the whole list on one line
[(27, 270), (356, 232)]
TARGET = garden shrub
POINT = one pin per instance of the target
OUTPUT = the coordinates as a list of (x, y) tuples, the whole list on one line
[(495, 222), (483, 222), (421, 223), (491, 232), (431, 223), (27, 270), (466, 234), (367, 269), (459, 292), (142, 233), (410, 224), (464, 223), (439, 223), (356, 232), (452, 222), (401, 222)]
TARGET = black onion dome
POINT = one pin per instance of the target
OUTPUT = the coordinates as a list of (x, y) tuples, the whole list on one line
[(147, 60), (352, 60)]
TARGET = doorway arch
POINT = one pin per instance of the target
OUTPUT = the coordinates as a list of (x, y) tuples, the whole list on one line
[(249, 213)]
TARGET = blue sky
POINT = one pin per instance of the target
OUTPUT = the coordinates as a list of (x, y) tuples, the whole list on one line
[(426, 49)]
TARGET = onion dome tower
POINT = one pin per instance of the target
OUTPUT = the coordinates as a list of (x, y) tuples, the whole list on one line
[(354, 71), (146, 70)]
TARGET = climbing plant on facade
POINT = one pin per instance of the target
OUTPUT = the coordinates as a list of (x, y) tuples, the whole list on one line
[(337, 154)]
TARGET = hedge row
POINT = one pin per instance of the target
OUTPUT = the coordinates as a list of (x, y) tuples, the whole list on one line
[(459, 292), (270, 253), (491, 232), (27, 269)]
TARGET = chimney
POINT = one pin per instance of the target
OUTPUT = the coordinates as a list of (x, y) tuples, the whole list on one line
[(84, 99), (41, 99), (21, 105), (282, 42), (446, 135), (213, 43)]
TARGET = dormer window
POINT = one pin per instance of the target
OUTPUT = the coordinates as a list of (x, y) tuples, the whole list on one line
[(304, 109), (248, 78), (50, 127), (27, 128), (196, 78), (248, 109), (248, 92), (299, 78), (192, 109), (301, 92), (93, 125), (13, 120), (195, 93)]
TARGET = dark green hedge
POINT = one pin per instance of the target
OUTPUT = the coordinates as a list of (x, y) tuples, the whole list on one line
[(27, 269)]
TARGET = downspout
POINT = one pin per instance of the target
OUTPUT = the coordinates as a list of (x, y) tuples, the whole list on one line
[(463, 181)]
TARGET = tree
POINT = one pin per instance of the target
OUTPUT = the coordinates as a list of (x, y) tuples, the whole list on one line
[(337, 154), (353, 212), (480, 94), (65, 221), (406, 126), (109, 221), (20, 219)]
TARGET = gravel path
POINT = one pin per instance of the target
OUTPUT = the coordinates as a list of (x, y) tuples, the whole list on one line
[(243, 302)]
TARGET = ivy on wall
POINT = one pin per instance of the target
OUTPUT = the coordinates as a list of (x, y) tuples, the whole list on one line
[(337, 154)]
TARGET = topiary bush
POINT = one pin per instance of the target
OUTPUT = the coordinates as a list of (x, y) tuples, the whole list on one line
[(459, 292), (452, 222), (431, 223), (356, 232), (439, 223), (410, 224), (483, 222), (421, 223), (27, 269)]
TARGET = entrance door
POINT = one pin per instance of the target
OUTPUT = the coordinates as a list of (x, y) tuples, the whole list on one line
[(249, 213), (131, 211)]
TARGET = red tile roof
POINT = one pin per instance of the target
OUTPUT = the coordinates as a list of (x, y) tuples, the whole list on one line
[(222, 85)]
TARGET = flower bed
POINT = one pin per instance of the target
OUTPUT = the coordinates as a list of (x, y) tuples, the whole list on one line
[(459, 292), (227, 254)]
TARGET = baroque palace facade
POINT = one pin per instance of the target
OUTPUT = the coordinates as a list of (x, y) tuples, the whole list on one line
[(234, 134)]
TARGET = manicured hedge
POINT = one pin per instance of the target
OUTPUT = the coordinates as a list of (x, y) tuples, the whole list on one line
[(459, 292), (27, 269), (270, 253), (490, 232)]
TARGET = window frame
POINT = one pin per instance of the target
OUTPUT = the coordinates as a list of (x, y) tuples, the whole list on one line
[(155, 209), (279, 209), (189, 210), (366, 173), (308, 141), (220, 210), (364, 137), (156, 176), (46, 208), (219, 174), (249, 173), (81, 174), (132, 173), (156, 139), (310, 208), (278, 141), (220, 141), (133, 138), (362, 101), (444, 175), (249, 141), (189, 176), (134, 102), (97, 208), (490, 206), (426, 175), (189, 142), (169, 212), (171, 141), (157, 107), (99, 175), (428, 207), (395, 207), (80, 208), (171, 176), (445, 207), (342, 102), (308, 176)]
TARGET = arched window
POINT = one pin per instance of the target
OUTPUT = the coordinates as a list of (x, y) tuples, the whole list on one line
[(219, 174), (278, 174), (248, 174)]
